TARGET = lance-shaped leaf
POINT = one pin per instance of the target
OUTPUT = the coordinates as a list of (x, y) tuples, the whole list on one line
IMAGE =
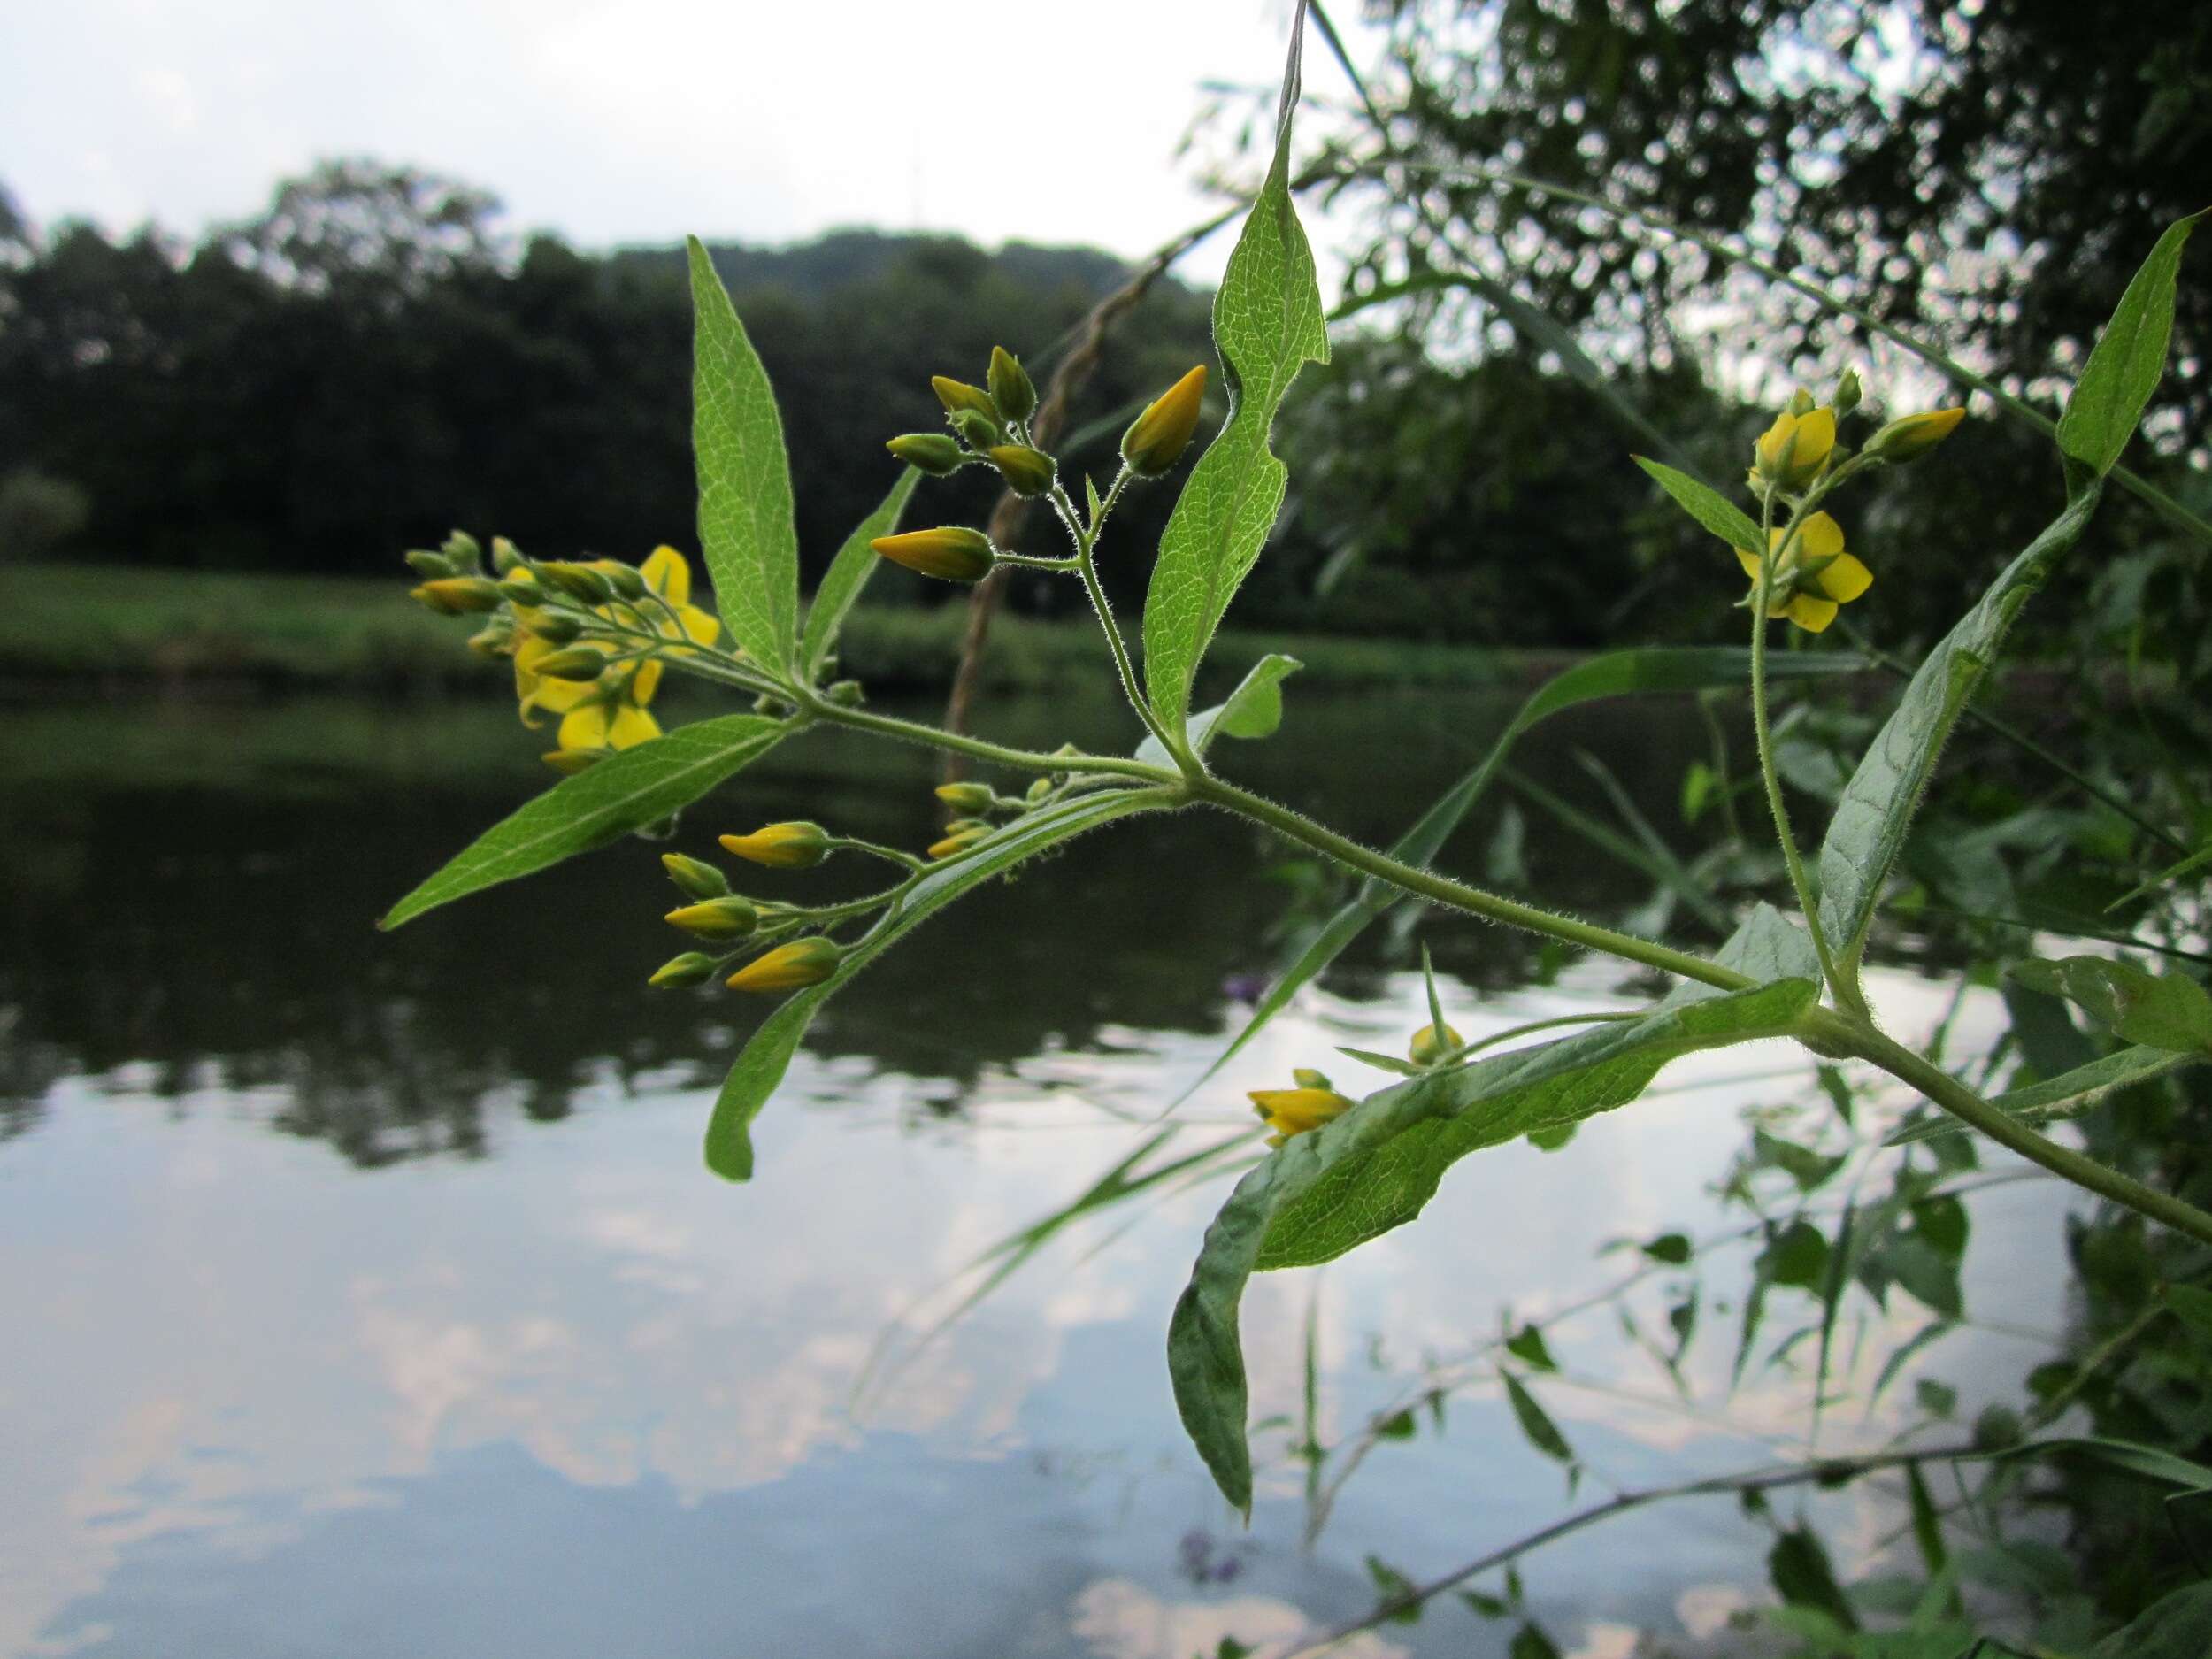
[(1876, 808), (1255, 709), (1614, 674), (2068, 1095), (2173, 1012), (1375, 1167), (746, 529), (847, 575), (2124, 366), (1705, 504), (767, 1056), (1267, 324), (622, 793)]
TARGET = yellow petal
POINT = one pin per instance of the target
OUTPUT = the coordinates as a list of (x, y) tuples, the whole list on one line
[(1816, 436), (1820, 537), (1749, 560), (644, 683), (668, 574), (633, 726), (586, 727), (1844, 579), (698, 624), (558, 696), (1811, 614)]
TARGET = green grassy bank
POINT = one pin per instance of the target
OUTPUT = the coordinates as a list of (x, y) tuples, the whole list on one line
[(116, 625)]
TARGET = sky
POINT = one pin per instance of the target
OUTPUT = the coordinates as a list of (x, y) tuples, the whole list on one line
[(637, 121)]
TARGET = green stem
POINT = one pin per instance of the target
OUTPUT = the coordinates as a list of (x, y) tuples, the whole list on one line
[(1847, 992), (1437, 889), (1860, 1039), (976, 748)]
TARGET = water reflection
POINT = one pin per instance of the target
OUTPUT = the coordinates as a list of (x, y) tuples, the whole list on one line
[(540, 1385)]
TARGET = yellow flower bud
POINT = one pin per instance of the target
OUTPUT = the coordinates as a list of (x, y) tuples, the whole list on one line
[(1426, 1048), (1011, 387), (1038, 791), (624, 578), (728, 916), (954, 554), (1156, 439), (1847, 392), (788, 967), (966, 797), (575, 662), (463, 549), (930, 452), (1306, 1077), (958, 841), (1027, 471), (1792, 450), (979, 432), (456, 595), (495, 640), (691, 968), (556, 627), (1293, 1111), (428, 565), (694, 878), (569, 762), (846, 694), (791, 846), (520, 590), (506, 556), (958, 395), (1913, 437)]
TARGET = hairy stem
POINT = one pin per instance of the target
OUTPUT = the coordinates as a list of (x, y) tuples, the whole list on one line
[(1860, 1039), (1458, 896)]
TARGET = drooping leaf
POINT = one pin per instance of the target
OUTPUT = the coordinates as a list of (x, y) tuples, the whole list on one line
[(1614, 674), (2170, 1012), (1535, 1422), (1267, 326), (1868, 830), (596, 807), (1527, 1345), (746, 529), (1374, 1168), (847, 575), (1253, 710), (1705, 504), (1798, 1568), (764, 1059), (2125, 367)]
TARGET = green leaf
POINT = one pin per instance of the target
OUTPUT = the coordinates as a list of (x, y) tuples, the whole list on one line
[(1527, 1345), (1535, 1422), (1374, 1168), (1614, 674), (2172, 872), (1267, 324), (764, 1059), (1798, 1567), (1672, 1249), (1798, 1257), (2193, 1303), (2129, 356), (746, 530), (2176, 1626), (1253, 710), (847, 575), (1868, 830), (1392, 1585), (1705, 504), (2066, 1095), (1384, 1062), (2130, 1456), (1531, 1642), (598, 806), (2171, 1013)]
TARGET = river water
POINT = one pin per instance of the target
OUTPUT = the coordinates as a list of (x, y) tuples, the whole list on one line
[(363, 1295)]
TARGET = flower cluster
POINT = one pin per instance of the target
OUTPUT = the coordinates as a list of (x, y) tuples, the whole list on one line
[(588, 638), (1796, 462), (1312, 1100)]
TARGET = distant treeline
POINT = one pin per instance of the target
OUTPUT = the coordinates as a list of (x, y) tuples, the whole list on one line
[(365, 366)]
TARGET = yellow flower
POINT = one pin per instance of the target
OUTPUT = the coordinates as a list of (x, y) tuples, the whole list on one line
[(1812, 575), (950, 552), (1292, 1111), (1792, 451), (1426, 1046), (1912, 436), (610, 713)]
